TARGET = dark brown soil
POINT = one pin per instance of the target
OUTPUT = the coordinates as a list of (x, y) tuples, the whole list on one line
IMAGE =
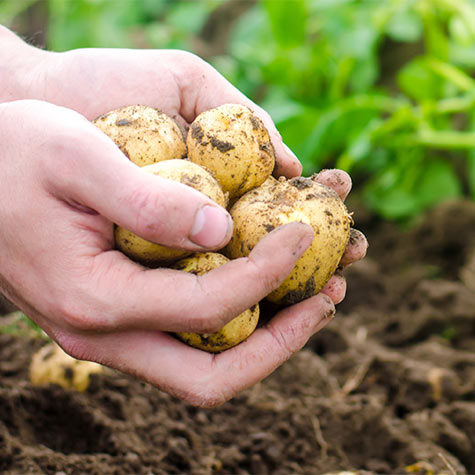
[(387, 387)]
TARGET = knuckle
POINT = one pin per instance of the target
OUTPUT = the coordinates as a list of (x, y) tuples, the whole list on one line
[(208, 321), (72, 314), (267, 277), (206, 318), (79, 315), (149, 209), (287, 342)]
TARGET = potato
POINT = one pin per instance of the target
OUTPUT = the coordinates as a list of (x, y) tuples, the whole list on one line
[(283, 201), (234, 145), (51, 365), (233, 332), (183, 171), (144, 134)]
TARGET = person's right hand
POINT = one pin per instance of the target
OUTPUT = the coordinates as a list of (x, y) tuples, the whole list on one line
[(64, 184)]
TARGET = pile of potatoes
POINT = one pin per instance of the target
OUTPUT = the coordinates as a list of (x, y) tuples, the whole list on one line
[(227, 154)]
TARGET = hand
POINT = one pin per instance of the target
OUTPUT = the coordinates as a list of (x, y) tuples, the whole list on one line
[(65, 188), (95, 81)]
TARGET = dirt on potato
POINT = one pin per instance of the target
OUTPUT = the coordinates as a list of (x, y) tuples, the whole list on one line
[(387, 387)]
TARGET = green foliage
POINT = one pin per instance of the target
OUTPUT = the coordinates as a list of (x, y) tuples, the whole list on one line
[(381, 88)]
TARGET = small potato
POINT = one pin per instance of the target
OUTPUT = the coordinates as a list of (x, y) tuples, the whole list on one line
[(144, 134), (232, 333), (51, 365), (282, 201), (183, 171), (234, 145)]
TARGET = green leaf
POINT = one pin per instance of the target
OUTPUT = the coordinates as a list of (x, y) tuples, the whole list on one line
[(436, 40), (189, 17), (419, 81), (405, 26), (395, 203), (280, 106), (438, 182), (288, 19)]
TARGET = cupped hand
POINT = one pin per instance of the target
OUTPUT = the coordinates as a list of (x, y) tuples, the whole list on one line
[(94, 81)]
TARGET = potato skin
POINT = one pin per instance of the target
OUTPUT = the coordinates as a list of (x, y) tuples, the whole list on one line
[(283, 201), (144, 134), (234, 145), (183, 171), (233, 332), (51, 365)]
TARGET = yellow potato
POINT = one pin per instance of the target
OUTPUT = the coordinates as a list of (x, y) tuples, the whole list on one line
[(183, 171), (51, 365), (283, 201), (234, 145), (144, 134), (233, 332)]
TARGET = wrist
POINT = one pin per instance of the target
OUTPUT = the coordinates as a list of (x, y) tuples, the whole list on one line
[(21, 68)]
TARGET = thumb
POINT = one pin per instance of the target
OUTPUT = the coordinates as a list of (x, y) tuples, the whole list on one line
[(154, 208)]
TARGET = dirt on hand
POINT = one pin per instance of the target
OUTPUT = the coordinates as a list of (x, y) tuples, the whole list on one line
[(387, 387)]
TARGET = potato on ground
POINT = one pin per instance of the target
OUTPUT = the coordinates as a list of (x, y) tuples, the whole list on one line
[(233, 332), (144, 134), (234, 145), (183, 171), (282, 201), (51, 365)]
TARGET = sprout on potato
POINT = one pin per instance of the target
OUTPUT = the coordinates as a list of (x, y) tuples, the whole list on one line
[(234, 145), (233, 332), (144, 134), (283, 201), (182, 171)]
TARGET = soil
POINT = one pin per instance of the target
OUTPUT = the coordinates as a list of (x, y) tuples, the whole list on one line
[(387, 387)]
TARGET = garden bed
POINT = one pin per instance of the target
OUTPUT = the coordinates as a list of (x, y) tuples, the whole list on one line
[(387, 387)]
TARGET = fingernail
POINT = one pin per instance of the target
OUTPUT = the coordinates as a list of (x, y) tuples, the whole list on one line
[(212, 227), (330, 313)]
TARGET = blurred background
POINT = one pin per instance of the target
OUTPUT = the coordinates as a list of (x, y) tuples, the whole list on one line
[(383, 89)]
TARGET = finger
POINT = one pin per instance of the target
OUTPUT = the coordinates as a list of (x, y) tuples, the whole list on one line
[(206, 89), (335, 288), (200, 378), (156, 209), (170, 300), (355, 250), (339, 180)]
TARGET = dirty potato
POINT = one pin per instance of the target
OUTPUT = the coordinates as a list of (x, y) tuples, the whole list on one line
[(51, 365), (233, 332), (183, 171), (234, 145), (282, 201), (144, 134)]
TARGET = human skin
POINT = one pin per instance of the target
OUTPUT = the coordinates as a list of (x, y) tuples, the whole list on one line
[(64, 184)]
